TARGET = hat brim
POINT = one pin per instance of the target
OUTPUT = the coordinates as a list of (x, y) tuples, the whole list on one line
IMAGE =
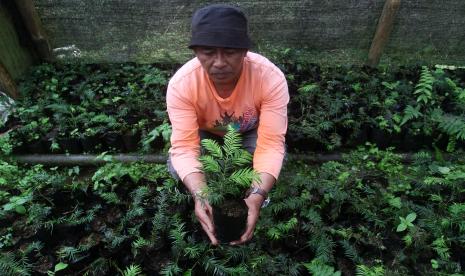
[(220, 39)]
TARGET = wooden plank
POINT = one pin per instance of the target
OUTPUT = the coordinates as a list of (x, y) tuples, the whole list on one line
[(383, 31)]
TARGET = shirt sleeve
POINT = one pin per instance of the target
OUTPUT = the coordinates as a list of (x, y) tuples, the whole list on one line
[(185, 147), (269, 153)]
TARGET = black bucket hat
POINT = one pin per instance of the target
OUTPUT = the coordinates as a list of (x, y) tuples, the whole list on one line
[(220, 25)]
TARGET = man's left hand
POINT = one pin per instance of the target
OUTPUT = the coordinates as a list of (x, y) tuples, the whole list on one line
[(254, 203)]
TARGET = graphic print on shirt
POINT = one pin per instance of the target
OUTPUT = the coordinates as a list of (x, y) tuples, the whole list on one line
[(248, 121)]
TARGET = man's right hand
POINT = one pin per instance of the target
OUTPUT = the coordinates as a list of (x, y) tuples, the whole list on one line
[(204, 214), (195, 183)]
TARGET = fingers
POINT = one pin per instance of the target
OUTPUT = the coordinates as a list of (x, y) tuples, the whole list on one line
[(252, 219), (209, 233), (248, 233), (203, 211)]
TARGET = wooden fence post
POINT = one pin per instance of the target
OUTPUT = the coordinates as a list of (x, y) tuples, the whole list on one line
[(383, 30), (32, 22), (7, 84)]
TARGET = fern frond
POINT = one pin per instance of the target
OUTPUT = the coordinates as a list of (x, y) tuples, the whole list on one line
[(453, 126), (433, 180), (281, 229), (238, 254), (140, 243), (323, 246), (241, 158), (110, 198), (139, 194), (457, 209), (171, 269), (133, 270), (410, 113), (442, 249), (34, 246), (244, 177), (70, 253), (209, 164), (232, 141), (213, 148), (316, 267), (214, 266), (350, 251), (313, 215), (326, 125), (424, 88), (9, 265), (100, 266), (193, 251), (363, 270), (422, 157), (215, 199)]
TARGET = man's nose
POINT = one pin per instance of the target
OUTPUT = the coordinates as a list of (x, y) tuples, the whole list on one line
[(219, 60)]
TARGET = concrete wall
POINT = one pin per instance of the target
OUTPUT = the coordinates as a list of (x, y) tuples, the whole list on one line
[(331, 31)]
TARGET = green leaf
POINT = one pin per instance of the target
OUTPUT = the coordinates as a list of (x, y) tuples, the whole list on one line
[(434, 264), (411, 217), (60, 266), (444, 170), (401, 227), (20, 209)]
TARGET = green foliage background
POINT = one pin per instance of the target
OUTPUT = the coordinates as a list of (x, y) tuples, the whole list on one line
[(374, 212)]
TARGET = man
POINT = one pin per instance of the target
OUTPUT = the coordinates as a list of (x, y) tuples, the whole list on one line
[(226, 84)]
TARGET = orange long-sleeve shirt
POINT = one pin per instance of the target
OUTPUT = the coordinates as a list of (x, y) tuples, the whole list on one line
[(259, 99)]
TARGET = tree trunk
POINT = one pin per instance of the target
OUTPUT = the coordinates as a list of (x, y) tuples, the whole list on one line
[(385, 24)]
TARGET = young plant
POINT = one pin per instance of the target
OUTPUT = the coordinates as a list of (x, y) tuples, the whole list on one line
[(227, 168), (229, 174)]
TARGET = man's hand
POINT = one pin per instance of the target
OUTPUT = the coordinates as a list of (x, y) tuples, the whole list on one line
[(204, 214), (254, 203), (195, 183)]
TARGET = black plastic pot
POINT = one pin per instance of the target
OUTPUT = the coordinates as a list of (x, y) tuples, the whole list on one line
[(131, 141), (356, 138), (230, 219), (91, 144), (70, 145), (114, 141), (36, 146), (384, 139)]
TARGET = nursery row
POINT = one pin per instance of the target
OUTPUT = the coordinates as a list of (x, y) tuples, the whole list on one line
[(117, 106), (368, 214)]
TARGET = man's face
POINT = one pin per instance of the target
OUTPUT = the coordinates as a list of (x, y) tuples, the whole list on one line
[(223, 65)]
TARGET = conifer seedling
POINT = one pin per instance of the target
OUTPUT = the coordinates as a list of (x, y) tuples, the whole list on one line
[(229, 174)]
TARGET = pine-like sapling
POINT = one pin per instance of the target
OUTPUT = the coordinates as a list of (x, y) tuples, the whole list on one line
[(229, 174)]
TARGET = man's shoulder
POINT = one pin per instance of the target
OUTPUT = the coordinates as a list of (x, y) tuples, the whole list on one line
[(258, 62), (188, 70)]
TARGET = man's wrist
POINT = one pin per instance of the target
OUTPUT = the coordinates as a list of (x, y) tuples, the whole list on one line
[(254, 190)]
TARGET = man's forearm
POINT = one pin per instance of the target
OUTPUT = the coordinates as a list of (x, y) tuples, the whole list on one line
[(194, 182), (267, 181)]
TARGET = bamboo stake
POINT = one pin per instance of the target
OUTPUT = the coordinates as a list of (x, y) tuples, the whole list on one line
[(91, 159), (86, 159), (383, 31)]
